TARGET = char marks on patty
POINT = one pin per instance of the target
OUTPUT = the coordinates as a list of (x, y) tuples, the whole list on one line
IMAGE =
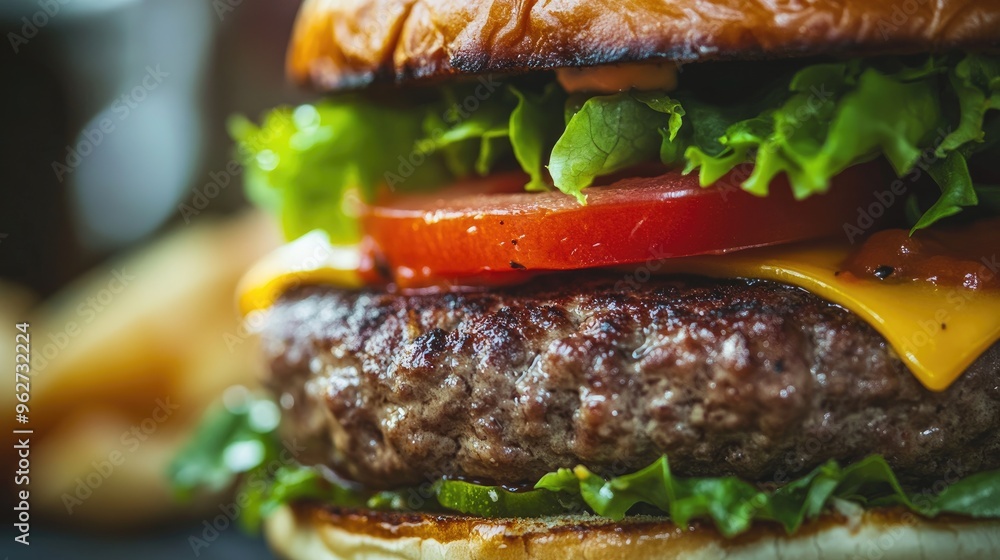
[(726, 377)]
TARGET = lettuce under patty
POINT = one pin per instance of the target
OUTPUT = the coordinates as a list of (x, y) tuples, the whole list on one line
[(239, 442), (933, 113)]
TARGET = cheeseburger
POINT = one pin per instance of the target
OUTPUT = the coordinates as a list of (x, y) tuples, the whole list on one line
[(647, 279)]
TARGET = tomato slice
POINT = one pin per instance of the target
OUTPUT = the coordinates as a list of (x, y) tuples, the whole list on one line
[(490, 226)]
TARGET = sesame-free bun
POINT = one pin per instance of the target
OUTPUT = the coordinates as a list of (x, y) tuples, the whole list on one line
[(311, 532), (341, 44)]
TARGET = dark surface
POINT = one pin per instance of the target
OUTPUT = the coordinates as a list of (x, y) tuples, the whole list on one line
[(172, 544), (725, 376)]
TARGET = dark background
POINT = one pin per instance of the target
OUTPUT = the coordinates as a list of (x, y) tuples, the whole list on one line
[(222, 57)]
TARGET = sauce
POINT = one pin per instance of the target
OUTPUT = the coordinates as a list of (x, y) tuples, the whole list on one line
[(643, 76), (961, 257)]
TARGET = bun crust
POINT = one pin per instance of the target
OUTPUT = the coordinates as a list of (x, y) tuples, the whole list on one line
[(341, 44), (309, 532)]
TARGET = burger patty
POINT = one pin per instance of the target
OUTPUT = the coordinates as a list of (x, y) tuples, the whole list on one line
[(726, 377)]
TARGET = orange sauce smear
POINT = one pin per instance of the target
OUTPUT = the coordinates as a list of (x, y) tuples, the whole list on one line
[(965, 256)]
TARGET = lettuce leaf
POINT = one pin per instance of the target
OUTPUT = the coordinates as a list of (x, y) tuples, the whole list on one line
[(976, 496), (731, 504), (469, 141), (837, 115), (290, 483), (608, 133), (230, 440), (846, 113), (523, 122), (534, 126), (307, 163), (494, 501), (976, 83), (951, 173)]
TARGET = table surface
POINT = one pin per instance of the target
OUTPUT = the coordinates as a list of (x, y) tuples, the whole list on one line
[(168, 544)]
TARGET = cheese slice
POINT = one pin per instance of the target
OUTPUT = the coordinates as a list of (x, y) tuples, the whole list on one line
[(310, 259), (937, 331)]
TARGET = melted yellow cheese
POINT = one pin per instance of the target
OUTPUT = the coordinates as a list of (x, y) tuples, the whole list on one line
[(937, 332), (310, 259)]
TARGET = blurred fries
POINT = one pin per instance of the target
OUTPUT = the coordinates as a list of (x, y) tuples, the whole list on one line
[(125, 362)]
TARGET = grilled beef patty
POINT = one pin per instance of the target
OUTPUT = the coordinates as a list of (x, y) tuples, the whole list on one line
[(726, 377)]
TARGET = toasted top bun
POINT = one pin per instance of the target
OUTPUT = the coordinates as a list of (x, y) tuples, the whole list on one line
[(316, 533), (341, 44)]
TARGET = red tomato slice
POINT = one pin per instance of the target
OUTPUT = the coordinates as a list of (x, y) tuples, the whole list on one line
[(491, 227)]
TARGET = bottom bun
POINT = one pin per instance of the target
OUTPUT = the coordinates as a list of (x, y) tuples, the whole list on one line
[(312, 532)]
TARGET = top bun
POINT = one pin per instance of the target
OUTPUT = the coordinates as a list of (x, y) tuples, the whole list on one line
[(344, 44)]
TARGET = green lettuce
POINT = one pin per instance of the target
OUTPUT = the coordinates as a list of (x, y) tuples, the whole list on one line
[(470, 141), (534, 127), (523, 123), (609, 133), (845, 113), (308, 164), (951, 173), (230, 441), (976, 83), (265, 492), (731, 504)]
